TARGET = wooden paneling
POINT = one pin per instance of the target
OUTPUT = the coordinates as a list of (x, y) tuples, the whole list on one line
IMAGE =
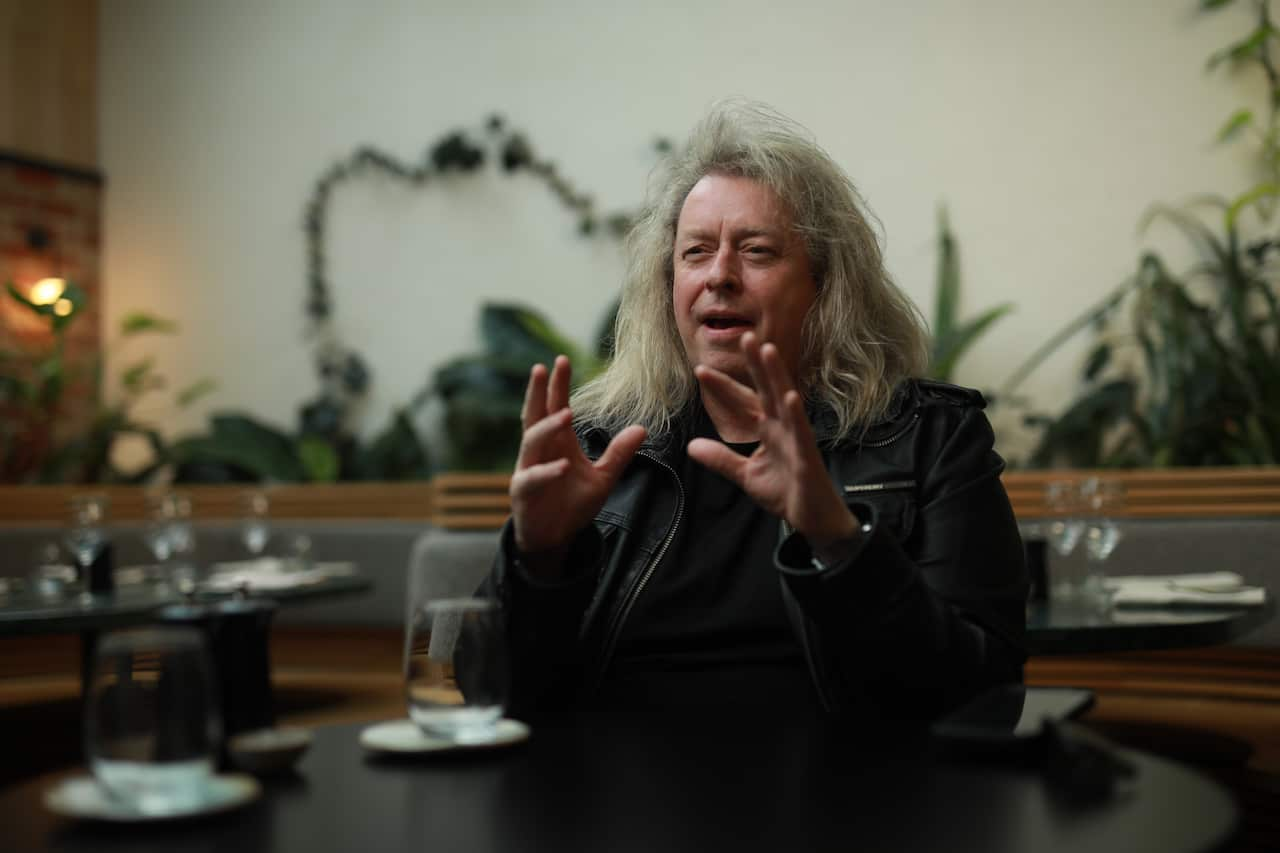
[(49, 79), (408, 501), (1174, 493), (480, 501), (471, 501)]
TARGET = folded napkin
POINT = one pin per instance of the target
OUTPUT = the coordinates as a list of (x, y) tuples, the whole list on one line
[(1210, 588), (267, 573)]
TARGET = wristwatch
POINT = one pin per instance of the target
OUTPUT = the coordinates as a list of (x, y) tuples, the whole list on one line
[(839, 551)]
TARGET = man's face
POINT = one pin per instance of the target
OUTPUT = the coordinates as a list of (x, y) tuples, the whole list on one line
[(739, 266)]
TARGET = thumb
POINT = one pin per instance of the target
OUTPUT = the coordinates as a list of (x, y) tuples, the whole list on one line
[(620, 451), (719, 458)]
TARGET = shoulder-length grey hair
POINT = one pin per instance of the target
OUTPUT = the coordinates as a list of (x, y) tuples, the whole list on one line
[(862, 336)]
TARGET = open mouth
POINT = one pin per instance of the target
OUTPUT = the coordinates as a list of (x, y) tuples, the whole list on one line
[(721, 323)]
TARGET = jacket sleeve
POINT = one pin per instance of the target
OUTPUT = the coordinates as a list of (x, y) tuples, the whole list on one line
[(543, 619), (909, 629)]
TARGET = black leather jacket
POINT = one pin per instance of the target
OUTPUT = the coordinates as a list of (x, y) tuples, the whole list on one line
[(929, 609)]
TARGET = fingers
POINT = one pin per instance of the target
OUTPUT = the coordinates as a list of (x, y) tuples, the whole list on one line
[(526, 481), (720, 459), (801, 433), (727, 389), (759, 376), (620, 451), (558, 388), (537, 441), (535, 397), (780, 383)]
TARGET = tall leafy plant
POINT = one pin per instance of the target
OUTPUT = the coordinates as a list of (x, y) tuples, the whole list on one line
[(953, 337), (1193, 377), (37, 380), (482, 393)]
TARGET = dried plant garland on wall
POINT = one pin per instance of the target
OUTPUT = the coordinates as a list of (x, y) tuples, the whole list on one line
[(344, 375)]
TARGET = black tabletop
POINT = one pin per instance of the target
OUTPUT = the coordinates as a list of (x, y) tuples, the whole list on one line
[(611, 782), (1063, 629), (28, 612)]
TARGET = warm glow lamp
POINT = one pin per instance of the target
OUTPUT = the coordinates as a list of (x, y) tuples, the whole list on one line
[(48, 291)]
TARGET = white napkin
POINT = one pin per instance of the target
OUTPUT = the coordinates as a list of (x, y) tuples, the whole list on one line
[(266, 573), (1221, 588)]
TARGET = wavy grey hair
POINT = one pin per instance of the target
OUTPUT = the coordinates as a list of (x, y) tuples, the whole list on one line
[(862, 336)]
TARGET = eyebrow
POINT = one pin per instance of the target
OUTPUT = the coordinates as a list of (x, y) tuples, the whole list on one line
[(702, 234)]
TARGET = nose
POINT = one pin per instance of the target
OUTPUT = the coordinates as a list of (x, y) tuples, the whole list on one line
[(723, 272)]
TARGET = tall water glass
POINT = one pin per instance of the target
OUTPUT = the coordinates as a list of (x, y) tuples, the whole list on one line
[(152, 728), (457, 674), (1064, 527), (175, 515), (1104, 500), (255, 522), (87, 532)]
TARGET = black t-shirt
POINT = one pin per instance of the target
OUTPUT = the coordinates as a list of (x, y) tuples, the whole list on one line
[(710, 626)]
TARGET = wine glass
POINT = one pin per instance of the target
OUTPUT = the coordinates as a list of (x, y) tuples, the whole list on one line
[(457, 674), (255, 527), (1104, 499), (152, 726), (175, 518), (86, 535)]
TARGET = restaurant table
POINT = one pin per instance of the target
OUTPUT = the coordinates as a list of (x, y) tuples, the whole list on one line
[(1055, 628), (27, 612), (669, 782)]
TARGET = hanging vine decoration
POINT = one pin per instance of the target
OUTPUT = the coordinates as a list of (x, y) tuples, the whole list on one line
[(344, 375)]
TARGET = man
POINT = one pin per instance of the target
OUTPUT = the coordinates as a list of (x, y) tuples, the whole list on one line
[(755, 502)]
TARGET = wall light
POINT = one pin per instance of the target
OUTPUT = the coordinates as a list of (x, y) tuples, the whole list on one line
[(48, 291)]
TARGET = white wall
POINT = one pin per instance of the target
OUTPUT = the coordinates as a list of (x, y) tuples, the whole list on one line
[(1047, 128)]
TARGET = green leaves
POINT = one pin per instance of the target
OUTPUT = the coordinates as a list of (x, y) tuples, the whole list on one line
[(952, 339), (1208, 391), (1239, 120), (1247, 48), (139, 322), (195, 391), (483, 392), (247, 448)]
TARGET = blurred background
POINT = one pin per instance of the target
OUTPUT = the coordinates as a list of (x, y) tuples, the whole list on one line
[(285, 222)]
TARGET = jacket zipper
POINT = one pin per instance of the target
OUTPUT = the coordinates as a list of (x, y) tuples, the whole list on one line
[(884, 442), (615, 627)]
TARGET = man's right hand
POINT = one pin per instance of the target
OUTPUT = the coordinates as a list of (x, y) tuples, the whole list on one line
[(556, 490)]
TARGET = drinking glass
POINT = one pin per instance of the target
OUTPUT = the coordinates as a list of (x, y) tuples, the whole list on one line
[(457, 674), (1064, 529), (152, 727), (255, 525), (86, 535), (1104, 499), (173, 516)]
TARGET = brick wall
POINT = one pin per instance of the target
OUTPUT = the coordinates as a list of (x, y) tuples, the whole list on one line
[(50, 226)]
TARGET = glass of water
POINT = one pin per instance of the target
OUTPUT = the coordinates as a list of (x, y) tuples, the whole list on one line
[(87, 534), (1104, 500), (255, 523), (152, 727), (457, 675)]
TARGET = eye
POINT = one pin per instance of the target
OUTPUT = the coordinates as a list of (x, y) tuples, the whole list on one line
[(760, 251), (692, 251)]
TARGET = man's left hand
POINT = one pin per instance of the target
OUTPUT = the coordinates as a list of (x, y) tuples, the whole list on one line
[(785, 474)]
